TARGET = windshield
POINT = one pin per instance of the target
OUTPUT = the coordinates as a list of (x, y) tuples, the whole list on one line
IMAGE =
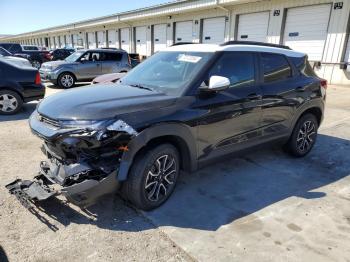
[(4, 52), (168, 72), (74, 57)]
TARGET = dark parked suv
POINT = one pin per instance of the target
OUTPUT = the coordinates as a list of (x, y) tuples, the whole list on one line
[(178, 110)]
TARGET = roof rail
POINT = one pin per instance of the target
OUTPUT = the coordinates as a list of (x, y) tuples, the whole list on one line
[(183, 43), (255, 43)]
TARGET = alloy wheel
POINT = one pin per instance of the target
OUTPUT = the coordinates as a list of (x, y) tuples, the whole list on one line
[(161, 178), (36, 64), (8, 103), (67, 80), (306, 136)]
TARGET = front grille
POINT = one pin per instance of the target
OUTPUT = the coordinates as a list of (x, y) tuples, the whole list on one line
[(49, 121)]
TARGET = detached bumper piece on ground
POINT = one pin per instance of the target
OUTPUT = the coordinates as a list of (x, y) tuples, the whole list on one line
[(82, 194)]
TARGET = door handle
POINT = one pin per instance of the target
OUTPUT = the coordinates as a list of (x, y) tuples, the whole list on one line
[(254, 96)]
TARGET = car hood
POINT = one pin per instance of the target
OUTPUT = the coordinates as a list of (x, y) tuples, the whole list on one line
[(102, 101), (53, 64)]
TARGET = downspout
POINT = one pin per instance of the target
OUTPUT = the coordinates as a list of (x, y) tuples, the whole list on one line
[(217, 3)]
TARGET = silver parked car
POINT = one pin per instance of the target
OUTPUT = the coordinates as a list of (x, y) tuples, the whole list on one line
[(85, 65)]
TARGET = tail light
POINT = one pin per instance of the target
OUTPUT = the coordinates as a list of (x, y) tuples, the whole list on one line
[(37, 80), (324, 83), (129, 60)]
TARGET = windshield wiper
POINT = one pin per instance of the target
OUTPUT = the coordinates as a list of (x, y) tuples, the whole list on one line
[(141, 87)]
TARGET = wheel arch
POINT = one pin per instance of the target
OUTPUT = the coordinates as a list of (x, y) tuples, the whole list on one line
[(13, 90), (179, 135)]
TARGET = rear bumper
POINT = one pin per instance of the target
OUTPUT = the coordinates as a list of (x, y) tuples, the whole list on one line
[(33, 92)]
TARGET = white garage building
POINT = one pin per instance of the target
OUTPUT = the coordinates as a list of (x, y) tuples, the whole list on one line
[(319, 28)]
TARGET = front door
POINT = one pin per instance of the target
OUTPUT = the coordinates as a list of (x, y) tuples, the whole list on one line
[(232, 117), (89, 66)]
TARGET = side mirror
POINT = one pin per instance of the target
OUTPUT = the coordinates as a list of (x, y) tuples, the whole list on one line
[(217, 83), (83, 60)]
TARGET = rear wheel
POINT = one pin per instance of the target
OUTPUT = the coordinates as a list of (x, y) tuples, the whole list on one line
[(10, 102), (304, 136), (36, 64), (66, 80), (152, 177)]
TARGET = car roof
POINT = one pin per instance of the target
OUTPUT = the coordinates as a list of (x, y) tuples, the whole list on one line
[(104, 50), (211, 48)]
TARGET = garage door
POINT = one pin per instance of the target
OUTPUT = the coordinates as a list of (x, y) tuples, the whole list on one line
[(75, 40), (183, 32), (213, 30), (253, 27), (113, 38), (159, 37), (141, 40), (125, 39), (306, 29), (52, 40), (69, 40), (101, 39), (91, 40)]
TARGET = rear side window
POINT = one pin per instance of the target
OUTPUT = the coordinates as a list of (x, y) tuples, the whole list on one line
[(275, 67), (112, 56), (303, 65), (237, 67)]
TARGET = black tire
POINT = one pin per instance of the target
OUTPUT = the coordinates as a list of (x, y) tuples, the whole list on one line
[(10, 102), (66, 80), (146, 191), (36, 64), (303, 137)]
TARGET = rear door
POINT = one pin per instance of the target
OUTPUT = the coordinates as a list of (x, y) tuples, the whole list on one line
[(111, 62), (281, 93), (231, 118)]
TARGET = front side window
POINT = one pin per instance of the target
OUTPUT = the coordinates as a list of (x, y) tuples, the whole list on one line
[(170, 72), (75, 56), (237, 67), (275, 67)]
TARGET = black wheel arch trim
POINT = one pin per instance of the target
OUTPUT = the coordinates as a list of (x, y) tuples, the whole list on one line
[(161, 130), (313, 104)]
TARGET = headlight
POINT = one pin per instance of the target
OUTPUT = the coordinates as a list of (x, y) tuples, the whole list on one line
[(99, 125), (84, 124)]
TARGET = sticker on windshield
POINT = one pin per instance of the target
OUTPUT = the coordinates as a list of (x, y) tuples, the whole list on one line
[(189, 58)]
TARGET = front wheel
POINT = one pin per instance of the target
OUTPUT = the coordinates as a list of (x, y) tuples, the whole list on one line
[(66, 80), (152, 177), (304, 136)]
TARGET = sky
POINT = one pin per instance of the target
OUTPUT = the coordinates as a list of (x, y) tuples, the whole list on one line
[(20, 16)]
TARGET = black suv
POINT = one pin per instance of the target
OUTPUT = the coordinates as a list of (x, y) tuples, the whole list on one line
[(178, 110)]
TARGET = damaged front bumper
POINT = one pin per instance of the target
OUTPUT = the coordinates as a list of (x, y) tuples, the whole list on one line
[(43, 186), (83, 163)]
